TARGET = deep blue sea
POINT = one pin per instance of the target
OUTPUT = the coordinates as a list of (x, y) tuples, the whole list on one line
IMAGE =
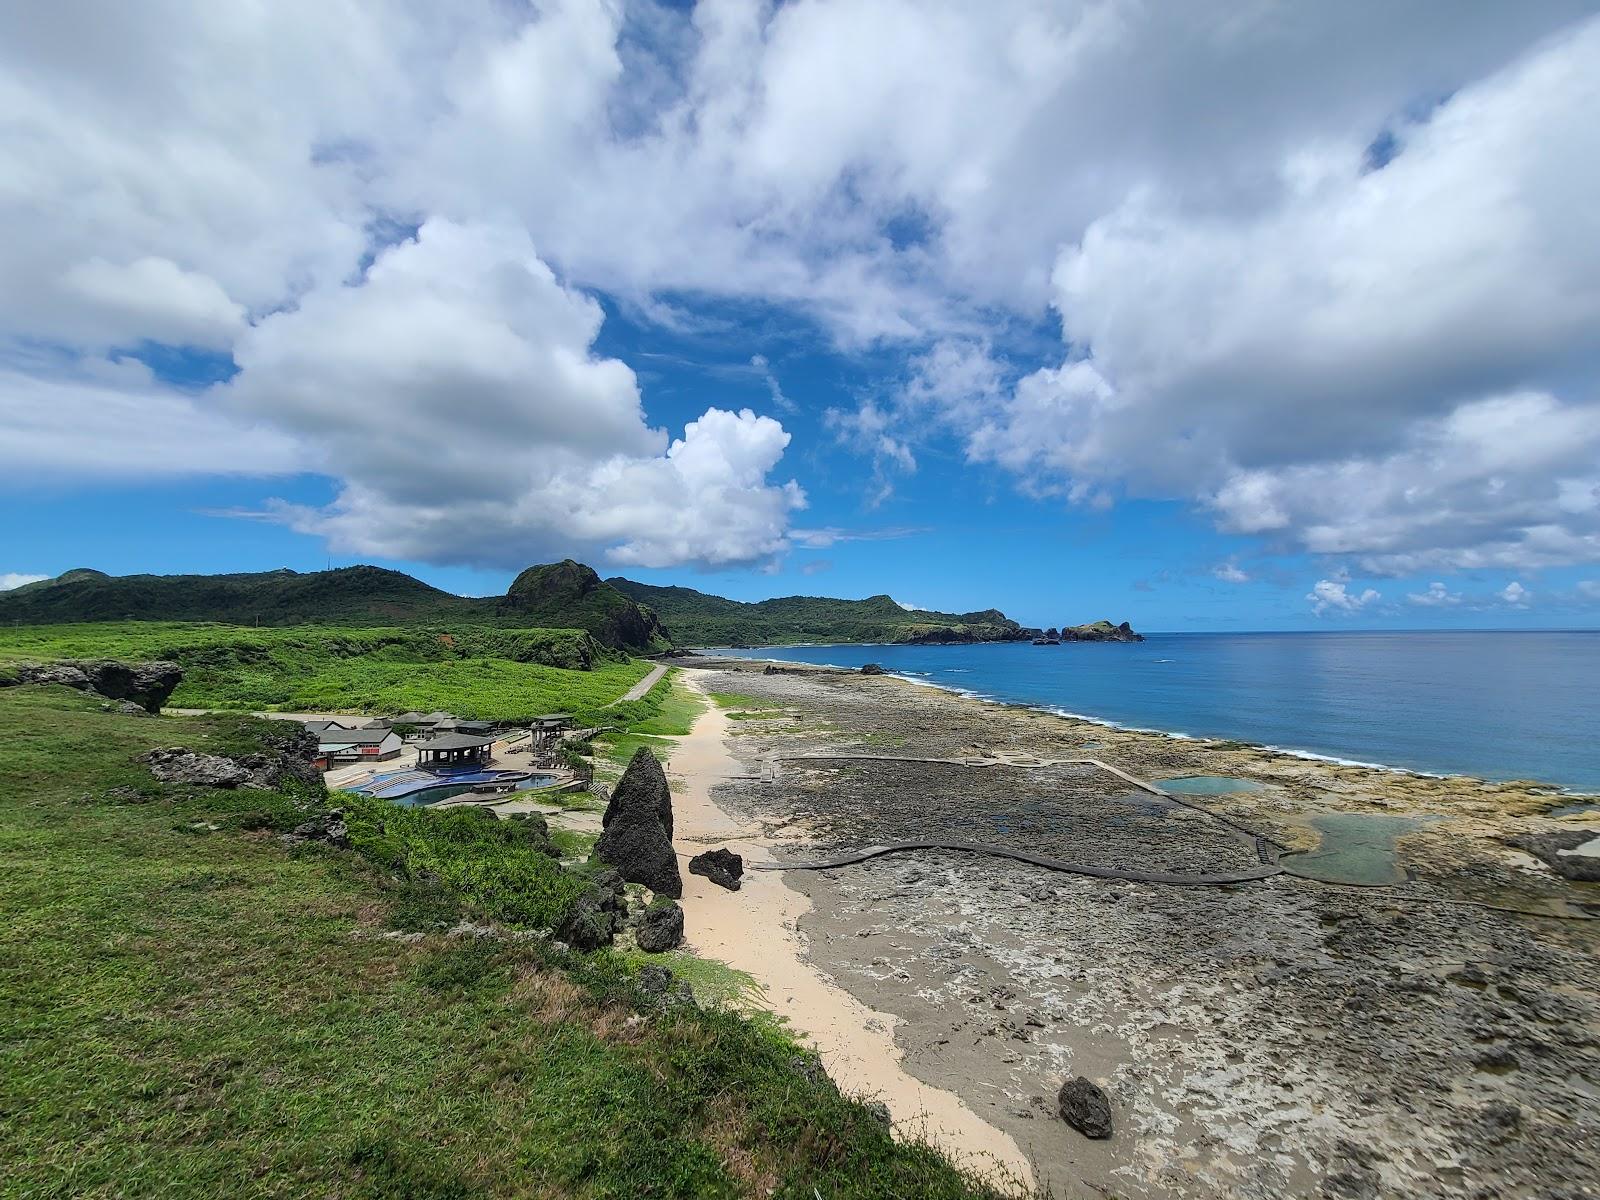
[(1496, 705)]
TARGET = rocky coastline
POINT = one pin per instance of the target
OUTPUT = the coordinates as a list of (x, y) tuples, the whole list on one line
[(1280, 1037)]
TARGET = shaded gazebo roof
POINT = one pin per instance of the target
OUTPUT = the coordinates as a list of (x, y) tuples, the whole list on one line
[(353, 737), (456, 741)]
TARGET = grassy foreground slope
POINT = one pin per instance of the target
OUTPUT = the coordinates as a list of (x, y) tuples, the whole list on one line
[(694, 618), (472, 671), (187, 1009)]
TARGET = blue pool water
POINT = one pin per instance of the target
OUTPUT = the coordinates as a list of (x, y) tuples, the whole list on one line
[(1494, 705), (1207, 785), (413, 788)]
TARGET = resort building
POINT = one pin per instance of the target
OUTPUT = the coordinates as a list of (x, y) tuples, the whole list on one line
[(455, 750), (336, 744), (318, 727), (457, 725)]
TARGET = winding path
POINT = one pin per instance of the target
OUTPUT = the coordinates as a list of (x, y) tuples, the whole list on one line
[(1038, 860), (638, 690)]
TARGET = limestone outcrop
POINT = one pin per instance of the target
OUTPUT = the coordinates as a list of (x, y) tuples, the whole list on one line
[(637, 837), (147, 684), (659, 927), (1085, 1107), (721, 866), (597, 914)]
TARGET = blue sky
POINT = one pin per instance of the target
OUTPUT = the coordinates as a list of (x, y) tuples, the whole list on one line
[(820, 298)]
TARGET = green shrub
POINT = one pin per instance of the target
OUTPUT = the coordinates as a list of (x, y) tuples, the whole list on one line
[(505, 869)]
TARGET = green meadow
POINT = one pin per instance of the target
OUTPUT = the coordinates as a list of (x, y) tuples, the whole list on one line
[(472, 671), (190, 1009)]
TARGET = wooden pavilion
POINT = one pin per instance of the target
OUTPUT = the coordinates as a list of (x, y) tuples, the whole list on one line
[(455, 750), (544, 737)]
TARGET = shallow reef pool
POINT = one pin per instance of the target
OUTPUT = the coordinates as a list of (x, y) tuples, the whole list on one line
[(1208, 785), (1354, 848), (416, 788)]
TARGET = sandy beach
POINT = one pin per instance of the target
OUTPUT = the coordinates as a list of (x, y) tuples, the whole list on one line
[(1281, 1037), (758, 931)]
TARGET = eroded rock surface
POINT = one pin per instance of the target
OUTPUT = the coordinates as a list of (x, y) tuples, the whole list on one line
[(284, 760), (721, 866), (597, 915), (659, 927), (1556, 851), (329, 828), (1275, 1039), (175, 764), (147, 684), (637, 837)]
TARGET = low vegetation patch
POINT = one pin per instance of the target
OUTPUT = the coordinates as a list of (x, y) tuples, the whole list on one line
[(735, 700), (503, 869), (191, 1010), (668, 710)]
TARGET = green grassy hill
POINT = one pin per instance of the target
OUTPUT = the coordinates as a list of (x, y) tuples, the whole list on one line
[(348, 595), (694, 618), (562, 595), (617, 613), (571, 594)]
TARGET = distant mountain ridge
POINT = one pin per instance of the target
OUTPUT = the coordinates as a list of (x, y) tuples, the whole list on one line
[(346, 595), (695, 618), (564, 595), (618, 613)]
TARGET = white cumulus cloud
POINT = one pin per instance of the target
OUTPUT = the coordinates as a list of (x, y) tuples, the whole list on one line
[(1516, 595), (1333, 596), (1386, 359), (1436, 596), (455, 391), (1392, 363), (16, 579)]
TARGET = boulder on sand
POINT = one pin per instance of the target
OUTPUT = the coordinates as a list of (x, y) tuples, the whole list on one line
[(721, 866), (872, 669), (637, 837), (1085, 1107)]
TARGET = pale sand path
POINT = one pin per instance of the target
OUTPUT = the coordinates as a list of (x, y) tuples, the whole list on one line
[(755, 930), (637, 691)]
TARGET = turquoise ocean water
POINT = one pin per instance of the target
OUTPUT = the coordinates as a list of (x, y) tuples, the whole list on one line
[(1497, 705)]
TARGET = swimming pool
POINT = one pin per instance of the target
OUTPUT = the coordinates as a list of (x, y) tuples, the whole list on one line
[(411, 788)]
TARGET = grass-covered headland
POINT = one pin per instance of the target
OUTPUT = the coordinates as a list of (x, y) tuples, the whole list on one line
[(188, 1007), (470, 670)]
